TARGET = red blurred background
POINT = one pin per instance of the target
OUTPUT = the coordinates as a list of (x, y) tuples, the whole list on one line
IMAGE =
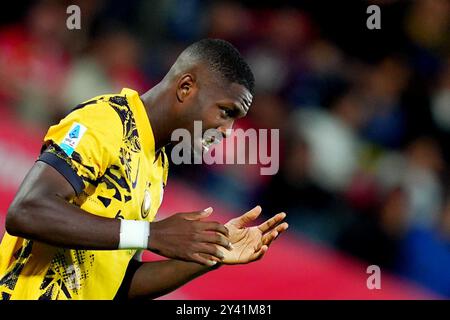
[(364, 119)]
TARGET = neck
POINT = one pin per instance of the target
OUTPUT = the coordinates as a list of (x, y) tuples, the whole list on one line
[(157, 107)]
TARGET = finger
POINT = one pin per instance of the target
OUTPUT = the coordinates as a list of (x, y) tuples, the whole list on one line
[(216, 238), (197, 215), (213, 260), (215, 226), (259, 254), (211, 250), (272, 222), (282, 227), (279, 228), (270, 236), (247, 217), (205, 259)]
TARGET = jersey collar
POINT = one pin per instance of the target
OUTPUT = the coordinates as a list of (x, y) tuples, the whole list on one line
[(142, 121)]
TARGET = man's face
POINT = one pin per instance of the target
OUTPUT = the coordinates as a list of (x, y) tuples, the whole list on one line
[(217, 105)]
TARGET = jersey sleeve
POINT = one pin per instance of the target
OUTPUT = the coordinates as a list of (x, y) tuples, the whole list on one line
[(84, 144)]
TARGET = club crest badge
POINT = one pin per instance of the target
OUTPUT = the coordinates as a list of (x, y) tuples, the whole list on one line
[(146, 205)]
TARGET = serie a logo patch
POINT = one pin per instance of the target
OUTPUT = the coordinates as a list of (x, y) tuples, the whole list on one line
[(72, 138)]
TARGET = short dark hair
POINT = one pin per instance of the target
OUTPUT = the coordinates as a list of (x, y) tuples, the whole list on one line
[(225, 59)]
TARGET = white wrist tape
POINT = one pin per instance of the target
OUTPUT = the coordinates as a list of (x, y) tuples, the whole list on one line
[(134, 234)]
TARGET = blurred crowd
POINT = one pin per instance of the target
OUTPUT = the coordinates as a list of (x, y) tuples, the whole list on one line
[(364, 115)]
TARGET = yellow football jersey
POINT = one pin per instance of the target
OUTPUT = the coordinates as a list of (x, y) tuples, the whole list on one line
[(105, 148)]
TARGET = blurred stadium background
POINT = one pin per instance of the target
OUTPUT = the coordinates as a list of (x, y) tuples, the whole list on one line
[(364, 119)]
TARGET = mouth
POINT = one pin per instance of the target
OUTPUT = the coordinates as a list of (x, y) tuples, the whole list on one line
[(209, 140), (206, 144), (202, 146), (205, 147)]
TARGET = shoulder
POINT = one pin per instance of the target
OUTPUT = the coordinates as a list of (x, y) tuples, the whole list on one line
[(99, 114)]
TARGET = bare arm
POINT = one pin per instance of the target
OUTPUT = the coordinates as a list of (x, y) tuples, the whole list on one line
[(41, 211), (154, 279)]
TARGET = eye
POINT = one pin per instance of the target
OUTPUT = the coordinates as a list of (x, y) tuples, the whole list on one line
[(226, 112)]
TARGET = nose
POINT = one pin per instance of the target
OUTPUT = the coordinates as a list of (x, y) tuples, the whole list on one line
[(226, 129)]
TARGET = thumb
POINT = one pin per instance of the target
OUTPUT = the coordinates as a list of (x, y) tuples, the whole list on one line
[(247, 217), (197, 215)]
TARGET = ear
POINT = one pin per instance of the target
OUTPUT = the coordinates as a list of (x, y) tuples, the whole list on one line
[(185, 86)]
